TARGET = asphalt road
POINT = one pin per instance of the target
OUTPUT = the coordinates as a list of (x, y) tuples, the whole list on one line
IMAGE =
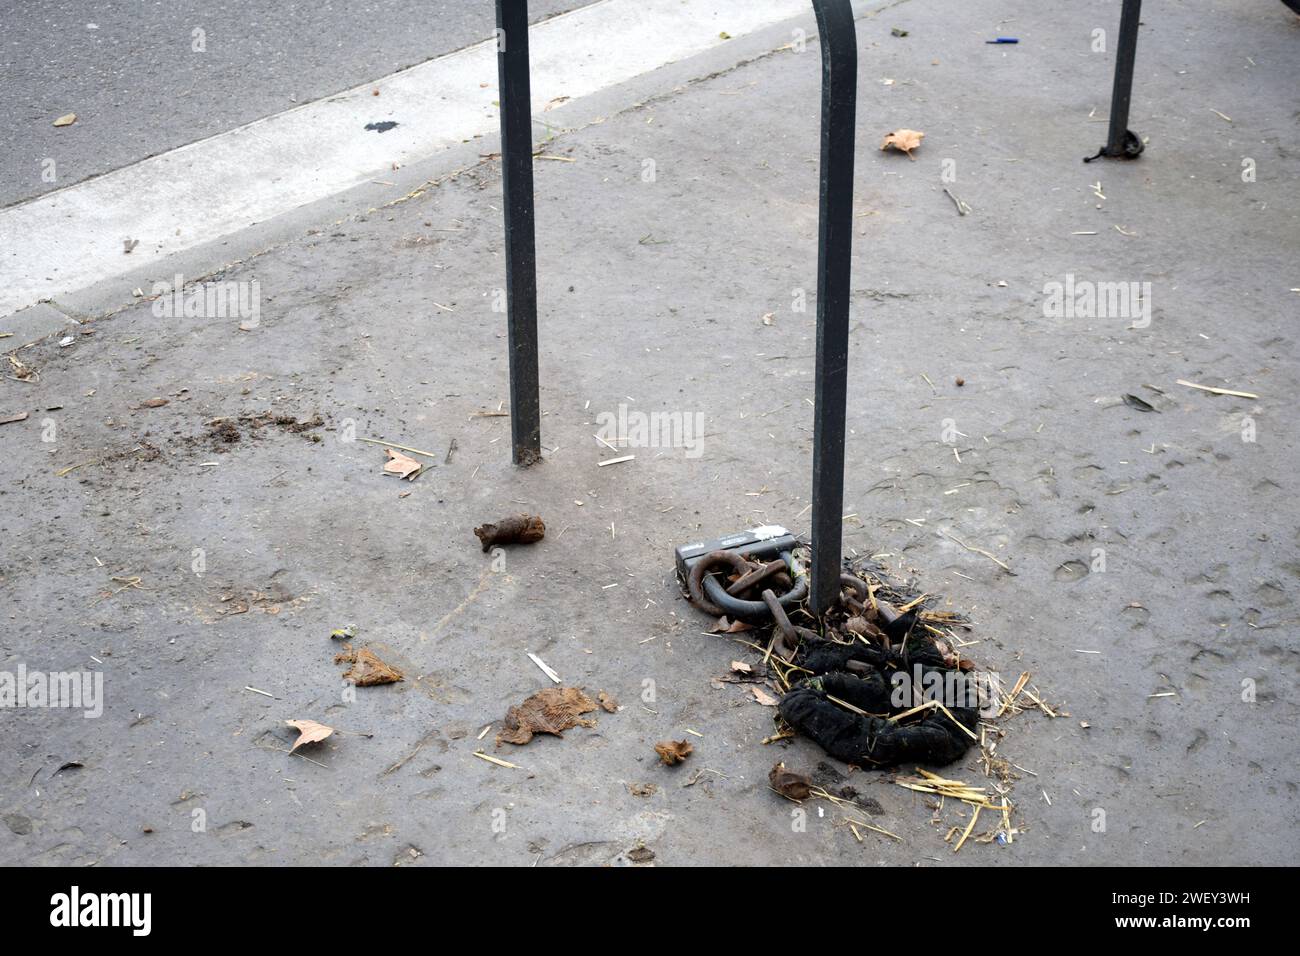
[(131, 73)]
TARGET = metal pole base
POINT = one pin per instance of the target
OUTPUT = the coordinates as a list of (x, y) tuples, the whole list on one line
[(1122, 142), (1131, 148)]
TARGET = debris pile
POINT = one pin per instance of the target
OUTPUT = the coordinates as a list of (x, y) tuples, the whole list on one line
[(225, 431), (876, 683)]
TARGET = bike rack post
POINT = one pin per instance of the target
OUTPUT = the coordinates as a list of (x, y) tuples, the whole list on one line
[(521, 253), (1121, 141), (834, 261)]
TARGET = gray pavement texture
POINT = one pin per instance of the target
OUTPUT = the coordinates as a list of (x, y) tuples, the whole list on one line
[(652, 295), (141, 81)]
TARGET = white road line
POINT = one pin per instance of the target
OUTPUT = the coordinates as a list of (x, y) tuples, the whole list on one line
[(72, 238)]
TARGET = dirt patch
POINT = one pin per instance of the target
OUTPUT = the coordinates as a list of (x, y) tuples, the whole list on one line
[(222, 433), (231, 600), (290, 424)]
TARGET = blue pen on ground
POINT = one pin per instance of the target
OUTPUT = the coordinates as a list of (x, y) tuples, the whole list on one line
[(1004, 40)]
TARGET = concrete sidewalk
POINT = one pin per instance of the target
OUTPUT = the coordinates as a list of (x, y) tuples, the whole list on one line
[(1153, 593)]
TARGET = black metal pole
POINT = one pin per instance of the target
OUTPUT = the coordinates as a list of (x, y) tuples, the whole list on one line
[(515, 98), (1124, 59), (834, 247), (1121, 142)]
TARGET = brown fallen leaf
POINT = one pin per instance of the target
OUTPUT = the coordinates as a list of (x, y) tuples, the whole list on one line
[(521, 529), (401, 465), (309, 732), (641, 854), (550, 711), (904, 140), (607, 703), (154, 402), (742, 673), (762, 696), (367, 669), (725, 626), (863, 627), (788, 783), (22, 372), (673, 751), (67, 119)]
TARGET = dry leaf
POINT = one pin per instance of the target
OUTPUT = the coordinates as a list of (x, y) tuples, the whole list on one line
[(741, 673), (903, 140), (641, 854), (550, 711), (367, 669), (861, 626), (309, 732), (21, 371), (762, 696), (154, 402), (521, 529), (607, 703), (725, 626), (66, 119), (788, 783), (673, 751), (401, 465)]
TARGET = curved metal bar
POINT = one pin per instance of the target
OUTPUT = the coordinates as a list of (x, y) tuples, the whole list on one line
[(839, 48), (752, 611)]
